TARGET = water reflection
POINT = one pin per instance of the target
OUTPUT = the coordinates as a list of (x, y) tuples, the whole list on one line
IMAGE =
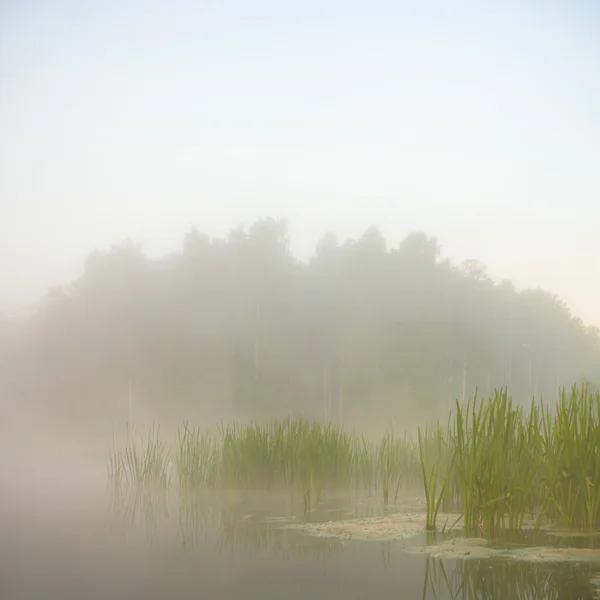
[(139, 509), (481, 578), (233, 523), (267, 539), (196, 517), (238, 525)]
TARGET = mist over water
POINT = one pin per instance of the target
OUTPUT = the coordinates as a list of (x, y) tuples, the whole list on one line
[(226, 333), (66, 535), (332, 222), (364, 337), (60, 539)]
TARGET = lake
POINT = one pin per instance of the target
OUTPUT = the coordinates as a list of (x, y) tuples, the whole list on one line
[(66, 535)]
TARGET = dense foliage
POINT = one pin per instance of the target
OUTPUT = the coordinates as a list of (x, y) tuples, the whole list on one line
[(240, 327)]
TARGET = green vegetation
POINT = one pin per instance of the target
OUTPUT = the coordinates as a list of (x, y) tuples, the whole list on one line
[(504, 464), (296, 454), (437, 462), (395, 459), (494, 462), (196, 459), (292, 453), (141, 465)]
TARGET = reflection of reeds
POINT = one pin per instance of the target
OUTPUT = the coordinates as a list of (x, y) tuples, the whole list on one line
[(206, 517), (140, 506), (260, 537), (483, 579), (197, 515)]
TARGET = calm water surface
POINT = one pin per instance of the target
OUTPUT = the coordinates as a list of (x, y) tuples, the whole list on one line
[(63, 536)]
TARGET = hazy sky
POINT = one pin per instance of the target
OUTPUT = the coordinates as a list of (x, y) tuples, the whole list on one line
[(477, 122)]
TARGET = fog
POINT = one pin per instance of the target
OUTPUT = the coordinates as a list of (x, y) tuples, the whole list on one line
[(217, 213), (280, 210), (239, 328), (364, 335), (479, 127)]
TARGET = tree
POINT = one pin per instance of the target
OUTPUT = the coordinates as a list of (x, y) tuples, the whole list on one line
[(239, 327)]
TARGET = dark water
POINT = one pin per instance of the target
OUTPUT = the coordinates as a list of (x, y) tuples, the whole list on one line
[(65, 539)]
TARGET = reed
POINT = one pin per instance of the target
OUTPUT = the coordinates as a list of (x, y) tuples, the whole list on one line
[(397, 464), (502, 463), (293, 453), (436, 458), (196, 459), (142, 463), (289, 453), (570, 470), (496, 463)]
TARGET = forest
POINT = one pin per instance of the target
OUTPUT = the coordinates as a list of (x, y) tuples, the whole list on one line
[(362, 333)]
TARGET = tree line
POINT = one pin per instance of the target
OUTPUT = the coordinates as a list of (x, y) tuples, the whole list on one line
[(360, 333)]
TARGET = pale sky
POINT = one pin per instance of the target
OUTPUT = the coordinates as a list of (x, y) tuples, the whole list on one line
[(476, 122)]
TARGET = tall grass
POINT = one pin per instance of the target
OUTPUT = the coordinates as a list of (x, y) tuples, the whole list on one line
[(437, 461), (569, 475), (196, 459), (397, 462), (293, 453), (496, 463), (493, 462), (504, 464), (141, 463)]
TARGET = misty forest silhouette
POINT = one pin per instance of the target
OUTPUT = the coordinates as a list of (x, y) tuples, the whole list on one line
[(360, 333)]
